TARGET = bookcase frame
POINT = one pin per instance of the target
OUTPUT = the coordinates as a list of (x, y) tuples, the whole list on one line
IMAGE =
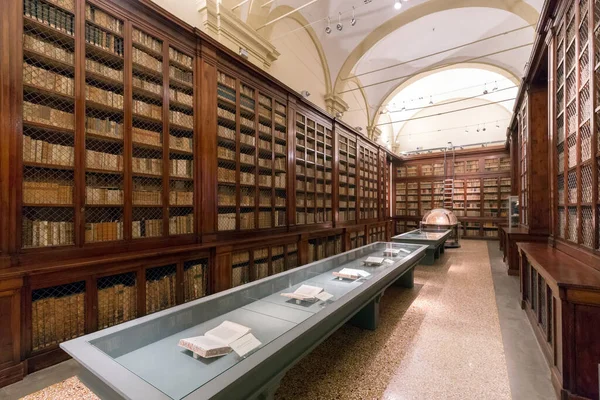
[(24, 270), (477, 156)]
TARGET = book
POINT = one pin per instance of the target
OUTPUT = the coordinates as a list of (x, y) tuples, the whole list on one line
[(215, 342), (304, 293), (391, 252), (350, 273), (373, 261)]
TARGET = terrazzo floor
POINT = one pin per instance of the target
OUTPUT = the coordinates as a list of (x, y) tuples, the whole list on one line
[(440, 340)]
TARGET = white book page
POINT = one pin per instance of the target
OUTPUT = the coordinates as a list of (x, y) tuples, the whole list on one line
[(374, 260), (245, 344), (392, 251), (308, 291), (354, 272), (227, 332), (201, 342)]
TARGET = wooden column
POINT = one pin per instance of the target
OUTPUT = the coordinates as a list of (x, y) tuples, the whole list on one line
[(207, 65), (220, 268), (539, 193)]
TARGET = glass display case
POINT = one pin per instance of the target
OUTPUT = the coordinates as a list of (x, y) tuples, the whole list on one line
[(434, 239), (513, 211), (141, 358), (441, 219)]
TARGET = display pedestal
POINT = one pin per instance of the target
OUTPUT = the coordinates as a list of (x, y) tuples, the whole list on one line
[(368, 317)]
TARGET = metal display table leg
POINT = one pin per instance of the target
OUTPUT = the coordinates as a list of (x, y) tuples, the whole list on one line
[(368, 317)]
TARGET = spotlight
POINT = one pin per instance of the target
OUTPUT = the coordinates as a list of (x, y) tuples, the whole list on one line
[(466, 130), (495, 86), (305, 93), (485, 91), (339, 114), (328, 29), (430, 100), (397, 5), (497, 124), (353, 20), (339, 25)]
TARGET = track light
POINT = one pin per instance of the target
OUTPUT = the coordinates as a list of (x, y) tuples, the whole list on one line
[(339, 25), (477, 127), (497, 124), (397, 5), (485, 91), (328, 29), (430, 100), (495, 86), (484, 127), (353, 20), (305, 93), (466, 130)]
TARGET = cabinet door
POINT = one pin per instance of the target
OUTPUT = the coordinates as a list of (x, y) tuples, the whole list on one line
[(10, 328)]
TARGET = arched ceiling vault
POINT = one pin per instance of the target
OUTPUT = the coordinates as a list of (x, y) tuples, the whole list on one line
[(397, 89)]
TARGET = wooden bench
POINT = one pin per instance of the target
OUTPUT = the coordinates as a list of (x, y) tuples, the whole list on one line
[(561, 297), (509, 237)]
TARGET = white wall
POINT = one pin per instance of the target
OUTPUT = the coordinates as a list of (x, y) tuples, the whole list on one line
[(299, 65), (424, 132), (356, 115)]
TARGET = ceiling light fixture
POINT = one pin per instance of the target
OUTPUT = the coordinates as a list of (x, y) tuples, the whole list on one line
[(430, 100), (485, 91), (339, 25), (328, 29), (353, 20), (497, 124), (495, 86), (484, 127), (397, 5)]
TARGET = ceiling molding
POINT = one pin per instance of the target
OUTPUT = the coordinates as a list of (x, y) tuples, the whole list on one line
[(518, 7)]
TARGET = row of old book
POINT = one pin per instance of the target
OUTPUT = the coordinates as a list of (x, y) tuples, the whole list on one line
[(145, 59), (226, 80), (49, 80), (103, 127), (181, 198), (48, 49), (147, 197), (181, 168), (105, 97), (151, 166), (181, 75), (181, 224), (103, 195), (194, 281), (147, 110), (103, 231), (47, 115), (347, 191), (47, 193), (181, 97), (116, 304), (181, 119), (41, 233), (313, 218), (147, 228), (347, 215), (146, 40), (102, 69), (181, 58), (57, 319), (149, 86), (50, 15), (105, 40), (104, 161), (160, 293), (101, 18), (39, 151)]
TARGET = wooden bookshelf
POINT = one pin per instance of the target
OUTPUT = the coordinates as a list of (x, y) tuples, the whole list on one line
[(147, 156), (479, 197)]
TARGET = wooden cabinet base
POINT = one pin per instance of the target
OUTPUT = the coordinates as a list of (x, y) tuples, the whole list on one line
[(12, 374), (561, 297), (510, 238)]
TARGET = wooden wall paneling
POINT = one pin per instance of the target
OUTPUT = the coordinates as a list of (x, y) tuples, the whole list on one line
[(593, 43), (220, 268), (335, 182), (127, 131), (7, 22), (291, 163), (207, 65), (15, 129), (79, 141), (10, 329), (198, 126), (303, 249)]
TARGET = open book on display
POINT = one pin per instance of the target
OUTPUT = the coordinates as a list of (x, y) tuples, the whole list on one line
[(373, 261), (215, 342), (391, 252), (350, 273), (305, 293)]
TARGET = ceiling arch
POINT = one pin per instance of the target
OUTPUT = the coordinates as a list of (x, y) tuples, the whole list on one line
[(258, 15), (518, 7), (376, 116)]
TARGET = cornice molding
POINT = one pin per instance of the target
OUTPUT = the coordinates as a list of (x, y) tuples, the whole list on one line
[(224, 26), (335, 104)]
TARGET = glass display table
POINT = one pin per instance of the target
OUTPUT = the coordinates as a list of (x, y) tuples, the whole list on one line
[(434, 240), (140, 359)]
